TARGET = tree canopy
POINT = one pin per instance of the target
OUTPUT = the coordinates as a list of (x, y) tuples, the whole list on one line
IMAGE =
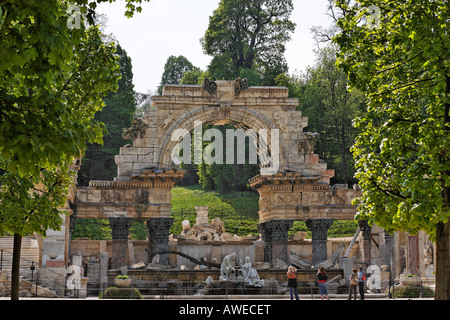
[(53, 78), (120, 106), (397, 54), (44, 121), (244, 34), (174, 70)]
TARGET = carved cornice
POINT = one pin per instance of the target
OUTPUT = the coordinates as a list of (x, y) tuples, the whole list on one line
[(145, 178), (281, 178)]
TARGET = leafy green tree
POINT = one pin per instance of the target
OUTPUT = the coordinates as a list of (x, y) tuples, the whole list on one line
[(30, 204), (194, 76), (331, 108), (52, 81), (38, 75), (120, 106), (174, 70), (397, 54), (248, 34), (226, 177)]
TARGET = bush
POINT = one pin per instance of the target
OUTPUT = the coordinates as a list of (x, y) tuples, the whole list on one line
[(120, 293), (413, 292)]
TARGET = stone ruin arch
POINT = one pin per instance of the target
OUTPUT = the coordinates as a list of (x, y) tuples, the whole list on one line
[(299, 190)]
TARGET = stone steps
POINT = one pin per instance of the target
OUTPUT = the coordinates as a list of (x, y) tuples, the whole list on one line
[(29, 252)]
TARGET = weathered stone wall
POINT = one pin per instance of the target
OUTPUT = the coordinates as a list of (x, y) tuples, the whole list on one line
[(212, 251)]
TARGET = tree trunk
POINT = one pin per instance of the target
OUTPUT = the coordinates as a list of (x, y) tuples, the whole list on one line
[(16, 267), (442, 261), (443, 229)]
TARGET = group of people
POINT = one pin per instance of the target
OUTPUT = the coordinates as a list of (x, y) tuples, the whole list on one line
[(357, 279)]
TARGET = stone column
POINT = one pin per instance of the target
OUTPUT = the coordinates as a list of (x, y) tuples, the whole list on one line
[(388, 250), (319, 232), (413, 255), (389, 255), (275, 235), (119, 227), (158, 236), (366, 229)]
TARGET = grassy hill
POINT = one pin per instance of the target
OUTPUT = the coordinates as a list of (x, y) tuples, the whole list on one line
[(238, 210)]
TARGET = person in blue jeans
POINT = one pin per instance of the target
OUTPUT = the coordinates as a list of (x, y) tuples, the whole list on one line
[(322, 278), (361, 282), (292, 282)]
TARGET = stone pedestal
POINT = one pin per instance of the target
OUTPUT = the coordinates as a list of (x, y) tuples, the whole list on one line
[(82, 292), (275, 235), (319, 232), (119, 227), (158, 236), (202, 215)]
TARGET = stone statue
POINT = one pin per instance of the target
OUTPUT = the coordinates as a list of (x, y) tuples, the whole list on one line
[(227, 268), (250, 275)]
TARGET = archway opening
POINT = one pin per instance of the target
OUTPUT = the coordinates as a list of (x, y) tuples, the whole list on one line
[(222, 184)]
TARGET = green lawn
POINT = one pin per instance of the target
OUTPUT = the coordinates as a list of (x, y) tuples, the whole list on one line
[(238, 210)]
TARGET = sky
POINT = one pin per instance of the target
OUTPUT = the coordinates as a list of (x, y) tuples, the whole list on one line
[(174, 27)]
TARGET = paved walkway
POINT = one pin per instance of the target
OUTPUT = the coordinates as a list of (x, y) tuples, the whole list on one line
[(368, 296)]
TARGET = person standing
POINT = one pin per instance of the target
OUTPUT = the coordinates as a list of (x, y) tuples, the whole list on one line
[(361, 282), (292, 282), (353, 284), (322, 278)]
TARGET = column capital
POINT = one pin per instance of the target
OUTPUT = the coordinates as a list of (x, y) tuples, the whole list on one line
[(319, 228), (119, 227), (275, 230)]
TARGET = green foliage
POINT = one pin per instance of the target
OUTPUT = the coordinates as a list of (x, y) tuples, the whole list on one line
[(402, 153), (174, 70), (226, 177), (98, 162), (120, 293), (30, 204), (194, 76), (339, 229), (47, 104), (238, 210), (330, 108), (95, 229), (248, 34), (52, 82), (99, 229), (409, 291)]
